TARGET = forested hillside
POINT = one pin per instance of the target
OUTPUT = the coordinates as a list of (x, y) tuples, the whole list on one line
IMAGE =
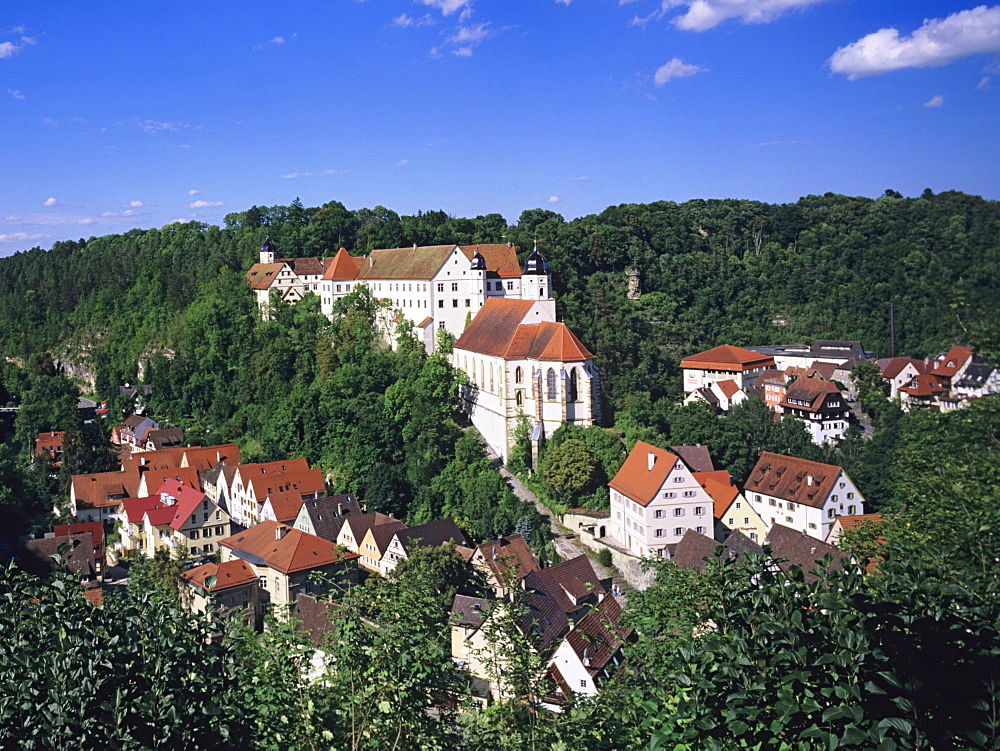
[(712, 272)]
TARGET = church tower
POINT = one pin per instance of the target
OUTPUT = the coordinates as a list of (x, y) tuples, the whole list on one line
[(536, 281), (267, 251)]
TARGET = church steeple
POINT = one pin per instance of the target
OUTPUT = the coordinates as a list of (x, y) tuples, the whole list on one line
[(267, 251), (535, 263), (536, 282)]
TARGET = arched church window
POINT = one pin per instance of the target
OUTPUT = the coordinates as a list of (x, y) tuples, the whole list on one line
[(572, 395), (518, 375), (519, 397), (491, 377), (550, 378)]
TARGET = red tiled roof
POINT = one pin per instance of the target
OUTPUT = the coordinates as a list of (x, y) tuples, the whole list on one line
[(893, 366), (230, 574), (295, 550), (508, 554), (262, 275), (307, 266), (728, 387), (92, 491), (788, 478), (636, 479), (136, 508), (503, 328), (342, 267), (856, 520), (306, 481), (720, 486), (949, 364), (51, 442), (924, 384), (186, 475), (188, 499), (285, 505), (728, 358), (205, 457), (248, 471)]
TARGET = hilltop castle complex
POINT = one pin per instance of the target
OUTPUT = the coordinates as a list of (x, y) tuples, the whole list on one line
[(518, 359)]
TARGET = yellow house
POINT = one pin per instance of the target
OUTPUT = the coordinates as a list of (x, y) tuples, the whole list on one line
[(740, 516)]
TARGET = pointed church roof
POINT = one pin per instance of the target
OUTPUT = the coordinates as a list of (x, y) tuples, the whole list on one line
[(342, 267), (535, 263), (505, 328)]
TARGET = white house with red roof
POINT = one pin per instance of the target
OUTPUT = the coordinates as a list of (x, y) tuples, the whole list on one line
[(521, 362), (801, 494), (949, 366), (899, 371), (820, 405), (655, 499), (724, 363)]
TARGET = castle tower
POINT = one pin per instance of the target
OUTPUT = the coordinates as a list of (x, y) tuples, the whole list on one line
[(536, 281), (267, 251), (634, 289)]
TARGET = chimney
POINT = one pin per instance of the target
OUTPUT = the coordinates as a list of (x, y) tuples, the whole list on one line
[(510, 245), (809, 480), (651, 460)]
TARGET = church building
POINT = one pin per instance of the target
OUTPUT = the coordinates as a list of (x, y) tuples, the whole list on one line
[(520, 361)]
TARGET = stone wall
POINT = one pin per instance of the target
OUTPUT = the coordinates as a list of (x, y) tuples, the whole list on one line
[(587, 527)]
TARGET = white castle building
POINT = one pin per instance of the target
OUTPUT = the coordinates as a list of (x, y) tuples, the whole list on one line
[(519, 360)]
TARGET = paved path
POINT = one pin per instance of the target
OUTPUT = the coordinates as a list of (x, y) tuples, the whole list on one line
[(563, 540)]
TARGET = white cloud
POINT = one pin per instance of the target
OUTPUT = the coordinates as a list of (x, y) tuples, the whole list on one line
[(675, 68), (7, 49), (86, 220), (50, 201), (154, 126), (19, 237), (16, 94), (136, 204), (554, 199), (938, 42), (200, 204), (118, 214), (984, 83), (402, 162), (447, 7), (563, 2), (583, 177), (702, 15), (470, 34), (462, 51), (405, 20), (935, 101), (277, 40), (50, 122), (293, 175), (193, 192)]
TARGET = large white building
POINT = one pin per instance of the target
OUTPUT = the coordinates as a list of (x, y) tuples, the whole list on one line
[(804, 495), (655, 500), (433, 287), (520, 361)]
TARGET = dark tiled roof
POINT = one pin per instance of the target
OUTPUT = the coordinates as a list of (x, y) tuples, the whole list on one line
[(405, 263), (810, 390), (696, 457), (569, 583), (469, 612), (165, 437), (432, 534), (599, 635), (800, 550), (317, 616), (694, 548), (36, 555), (328, 513), (508, 554)]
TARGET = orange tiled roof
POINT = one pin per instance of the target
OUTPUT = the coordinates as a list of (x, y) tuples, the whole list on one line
[(294, 550), (948, 365), (720, 487), (856, 520), (728, 358), (285, 505), (636, 479), (500, 329), (205, 457), (186, 475), (809, 390), (302, 481), (924, 384), (893, 366), (342, 267), (728, 387), (230, 574), (92, 491)]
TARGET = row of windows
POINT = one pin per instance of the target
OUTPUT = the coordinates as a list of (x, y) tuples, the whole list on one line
[(206, 532), (698, 510), (679, 531)]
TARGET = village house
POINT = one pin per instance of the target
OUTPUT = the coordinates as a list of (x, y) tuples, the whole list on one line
[(51, 444), (325, 516), (899, 371), (820, 405), (288, 561), (655, 499), (96, 497), (589, 654), (96, 530), (504, 562), (230, 587), (355, 528), (771, 388), (134, 428), (290, 278), (923, 391), (727, 362), (979, 379), (175, 516), (431, 534), (722, 395), (847, 523), (37, 556), (251, 484), (523, 365), (376, 542), (949, 366), (804, 495)]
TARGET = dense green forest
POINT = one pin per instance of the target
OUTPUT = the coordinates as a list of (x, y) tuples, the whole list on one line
[(906, 658)]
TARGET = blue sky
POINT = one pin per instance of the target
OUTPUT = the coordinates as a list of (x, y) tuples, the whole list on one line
[(117, 115)]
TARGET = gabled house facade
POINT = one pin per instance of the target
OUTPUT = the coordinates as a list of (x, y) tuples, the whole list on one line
[(432, 534), (504, 563), (820, 405), (325, 516), (244, 498), (655, 499), (800, 494), (230, 587)]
